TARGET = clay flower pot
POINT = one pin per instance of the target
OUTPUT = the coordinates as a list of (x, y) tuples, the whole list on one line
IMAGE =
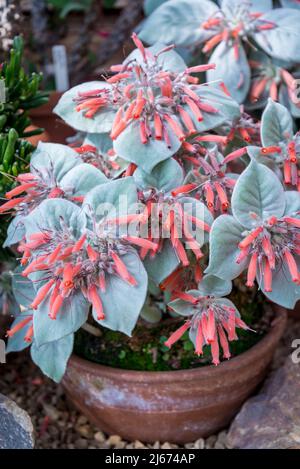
[(173, 406), (57, 130)]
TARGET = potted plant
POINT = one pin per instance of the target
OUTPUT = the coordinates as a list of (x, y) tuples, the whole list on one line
[(146, 230)]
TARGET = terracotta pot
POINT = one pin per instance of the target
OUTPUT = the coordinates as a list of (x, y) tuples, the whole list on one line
[(173, 406), (57, 130)]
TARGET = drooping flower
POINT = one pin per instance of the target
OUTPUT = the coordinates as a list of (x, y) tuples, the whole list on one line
[(269, 79), (212, 320), (209, 178), (107, 163), (174, 220)]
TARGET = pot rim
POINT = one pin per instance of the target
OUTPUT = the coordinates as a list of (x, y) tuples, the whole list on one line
[(234, 364)]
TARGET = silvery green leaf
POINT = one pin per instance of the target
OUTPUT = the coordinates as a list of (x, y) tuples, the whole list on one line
[(228, 109), (281, 42), (170, 60), (293, 105), (52, 358), (151, 5), (255, 5), (66, 109), (290, 3), (104, 143), (71, 316), (257, 191), (49, 215), (276, 124), (55, 157), (81, 179), (225, 236), (164, 177), (292, 207), (235, 72), (129, 147), (113, 199), (122, 303), (163, 264), (198, 210), (23, 288), (284, 292), (185, 16), (214, 286), (151, 314), (16, 343), (184, 308), (15, 231)]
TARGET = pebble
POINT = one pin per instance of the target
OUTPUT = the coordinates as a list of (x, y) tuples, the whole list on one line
[(100, 437)]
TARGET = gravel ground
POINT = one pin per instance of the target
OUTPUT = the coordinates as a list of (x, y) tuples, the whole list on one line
[(58, 425)]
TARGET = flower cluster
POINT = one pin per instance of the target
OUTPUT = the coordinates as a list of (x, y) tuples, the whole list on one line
[(143, 91), (272, 243)]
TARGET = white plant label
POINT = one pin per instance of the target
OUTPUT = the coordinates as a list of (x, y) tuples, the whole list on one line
[(60, 63)]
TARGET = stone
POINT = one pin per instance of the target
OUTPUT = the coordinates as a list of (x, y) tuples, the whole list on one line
[(199, 444), (16, 430), (113, 440), (99, 437), (271, 419)]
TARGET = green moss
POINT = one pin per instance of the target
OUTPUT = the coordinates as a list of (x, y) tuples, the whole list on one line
[(145, 350)]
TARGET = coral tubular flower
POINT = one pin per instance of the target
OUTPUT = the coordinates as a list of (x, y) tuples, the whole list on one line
[(208, 181), (19, 326), (212, 323), (269, 246), (161, 101)]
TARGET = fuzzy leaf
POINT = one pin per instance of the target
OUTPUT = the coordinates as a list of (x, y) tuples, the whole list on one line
[(225, 235), (170, 61), (214, 286), (234, 72), (228, 109), (15, 231), (185, 16), (104, 143), (257, 191), (151, 5), (81, 179), (291, 104), (16, 343), (292, 207), (281, 42), (129, 147), (122, 303), (163, 264), (49, 213), (164, 177), (255, 5), (151, 314), (55, 157), (52, 358), (101, 122), (23, 288), (285, 292), (276, 124), (70, 318), (184, 308), (113, 199)]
